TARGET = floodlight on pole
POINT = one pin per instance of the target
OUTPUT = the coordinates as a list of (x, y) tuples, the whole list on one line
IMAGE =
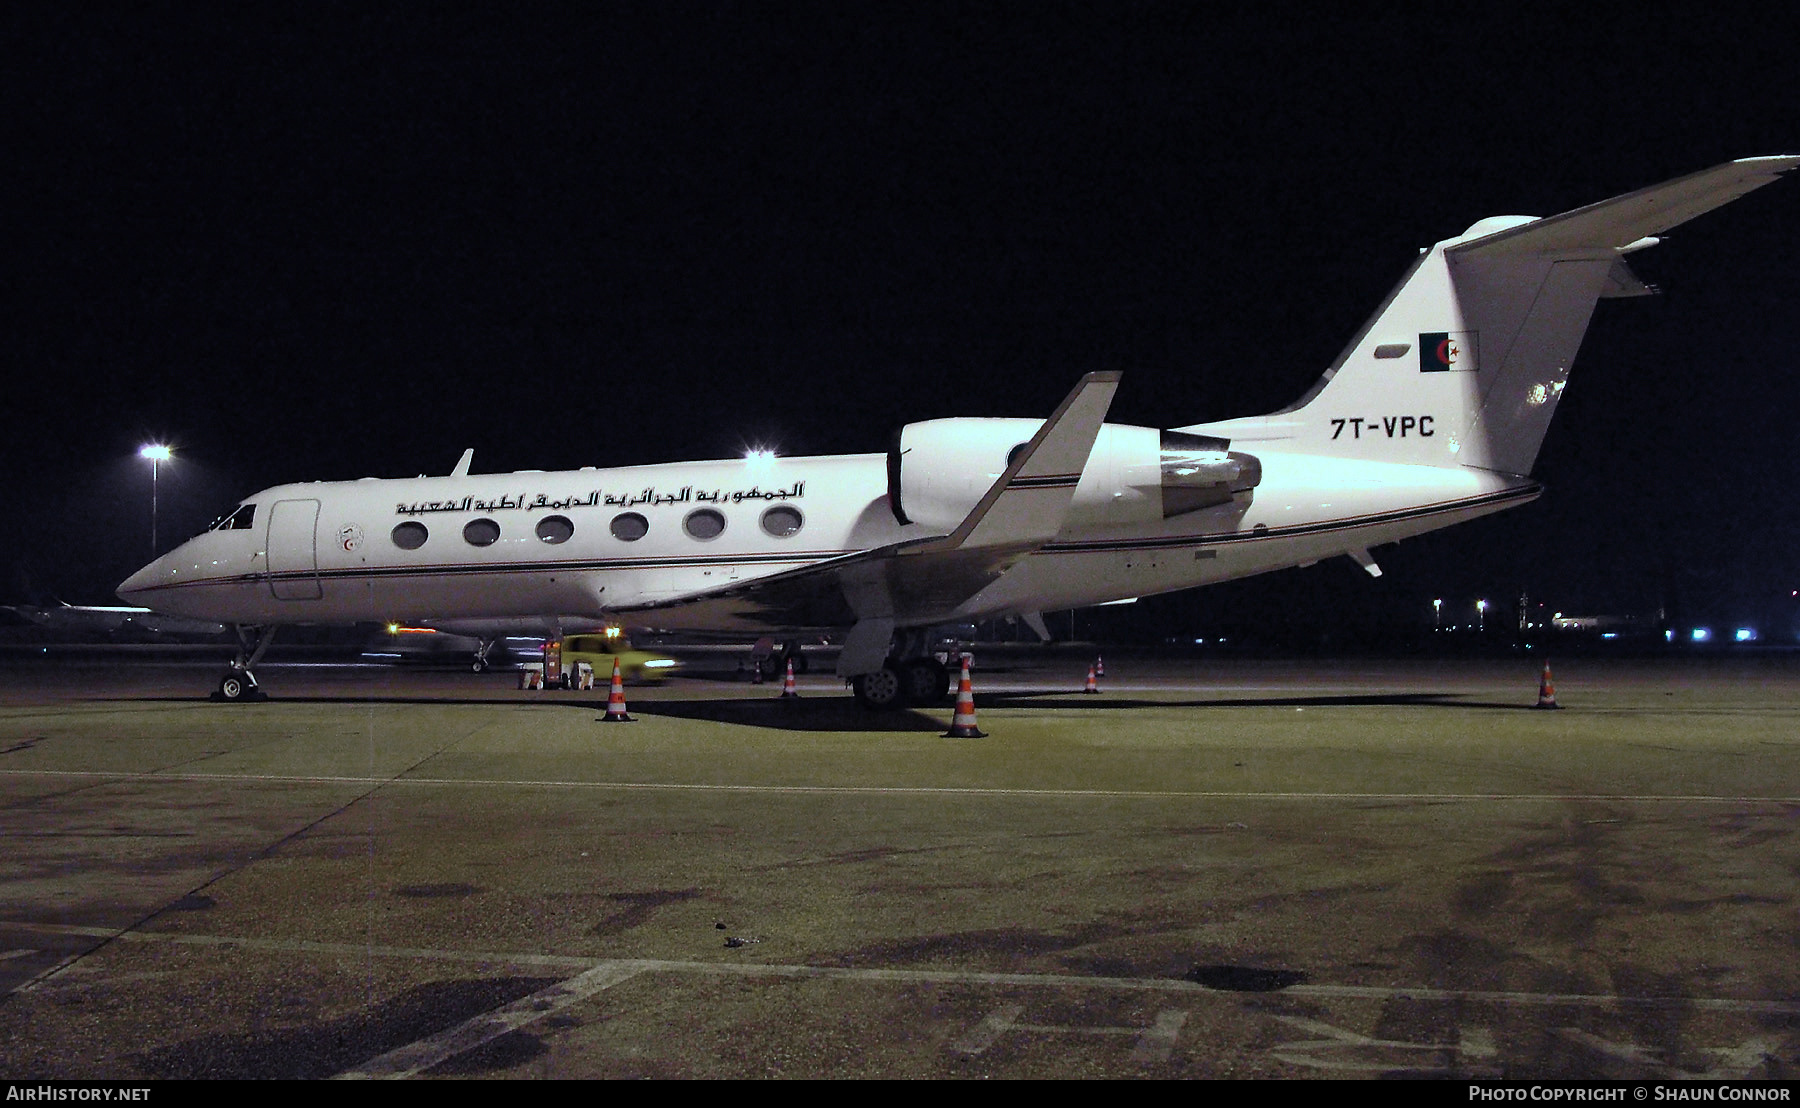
[(157, 453)]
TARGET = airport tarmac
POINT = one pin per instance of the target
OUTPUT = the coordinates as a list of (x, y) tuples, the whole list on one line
[(1209, 869)]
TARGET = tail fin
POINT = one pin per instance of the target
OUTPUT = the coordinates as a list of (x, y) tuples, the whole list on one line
[(1465, 361)]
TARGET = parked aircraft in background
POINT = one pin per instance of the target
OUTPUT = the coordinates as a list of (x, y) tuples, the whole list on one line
[(1431, 416), (81, 622)]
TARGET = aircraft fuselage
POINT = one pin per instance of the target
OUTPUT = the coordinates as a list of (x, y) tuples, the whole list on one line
[(597, 544)]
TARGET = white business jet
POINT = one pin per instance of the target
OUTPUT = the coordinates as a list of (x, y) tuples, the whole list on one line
[(1432, 415)]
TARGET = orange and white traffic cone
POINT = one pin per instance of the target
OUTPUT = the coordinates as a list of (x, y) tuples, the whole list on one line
[(788, 692), (962, 725), (615, 700), (1099, 666), (1547, 690), (1093, 685)]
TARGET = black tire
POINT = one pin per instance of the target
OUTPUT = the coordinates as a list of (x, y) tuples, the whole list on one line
[(881, 691), (233, 686), (479, 666), (927, 681)]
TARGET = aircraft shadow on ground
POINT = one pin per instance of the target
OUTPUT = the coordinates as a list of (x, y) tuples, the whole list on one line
[(1062, 698), (844, 714), (838, 713)]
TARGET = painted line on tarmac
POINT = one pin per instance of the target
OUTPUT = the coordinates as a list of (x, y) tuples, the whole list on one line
[(893, 790), (419, 1056), (295, 946), (593, 974)]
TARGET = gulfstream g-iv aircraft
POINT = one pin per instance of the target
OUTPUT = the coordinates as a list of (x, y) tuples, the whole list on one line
[(1432, 415)]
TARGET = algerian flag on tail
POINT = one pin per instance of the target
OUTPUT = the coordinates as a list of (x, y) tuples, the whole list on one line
[(1442, 351)]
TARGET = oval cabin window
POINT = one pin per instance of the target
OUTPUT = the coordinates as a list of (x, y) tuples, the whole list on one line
[(555, 529), (782, 521), (630, 527), (704, 523), (481, 532)]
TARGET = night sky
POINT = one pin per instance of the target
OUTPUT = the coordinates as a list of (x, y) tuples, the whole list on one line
[(351, 241)]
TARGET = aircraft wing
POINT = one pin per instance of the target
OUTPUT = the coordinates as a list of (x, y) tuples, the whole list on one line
[(921, 581), (1624, 220)]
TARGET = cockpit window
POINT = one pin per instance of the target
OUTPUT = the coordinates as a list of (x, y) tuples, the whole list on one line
[(239, 519)]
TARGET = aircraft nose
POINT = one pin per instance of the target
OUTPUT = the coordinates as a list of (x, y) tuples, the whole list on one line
[(134, 587)]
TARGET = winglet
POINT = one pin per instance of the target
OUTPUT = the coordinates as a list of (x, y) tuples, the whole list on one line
[(1028, 503)]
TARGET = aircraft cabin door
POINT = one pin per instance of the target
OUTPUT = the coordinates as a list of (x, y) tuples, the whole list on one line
[(293, 553)]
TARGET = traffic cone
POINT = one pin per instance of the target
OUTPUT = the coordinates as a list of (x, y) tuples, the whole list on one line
[(788, 692), (1093, 685), (1547, 690), (1099, 666), (962, 725), (615, 700)]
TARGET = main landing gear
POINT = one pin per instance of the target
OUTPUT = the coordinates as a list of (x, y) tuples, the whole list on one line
[(909, 678), (239, 683), (778, 661)]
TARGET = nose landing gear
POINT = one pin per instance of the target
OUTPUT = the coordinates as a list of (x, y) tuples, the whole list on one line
[(239, 683)]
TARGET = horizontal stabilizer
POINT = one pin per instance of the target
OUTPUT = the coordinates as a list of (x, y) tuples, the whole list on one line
[(1618, 223)]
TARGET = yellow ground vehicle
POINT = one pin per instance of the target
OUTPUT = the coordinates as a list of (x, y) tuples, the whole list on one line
[(599, 648)]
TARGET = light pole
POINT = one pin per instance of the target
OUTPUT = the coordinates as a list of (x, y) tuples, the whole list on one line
[(157, 453), (1481, 617), (1437, 614)]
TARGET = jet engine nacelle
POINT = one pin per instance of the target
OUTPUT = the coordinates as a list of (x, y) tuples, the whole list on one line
[(939, 470)]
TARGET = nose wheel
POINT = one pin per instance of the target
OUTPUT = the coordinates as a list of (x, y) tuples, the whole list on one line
[(239, 684)]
